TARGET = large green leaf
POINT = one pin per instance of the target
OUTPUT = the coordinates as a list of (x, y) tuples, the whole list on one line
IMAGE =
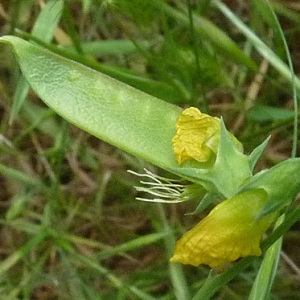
[(108, 109)]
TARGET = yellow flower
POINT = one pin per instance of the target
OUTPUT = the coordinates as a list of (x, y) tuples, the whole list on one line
[(197, 136), (229, 232)]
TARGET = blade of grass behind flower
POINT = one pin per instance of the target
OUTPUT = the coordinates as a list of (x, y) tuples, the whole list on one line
[(133, 244), (23, 251), (281, 9), (267, 10), (180, 287), (110, 47), (264, 12), (264, 280), (260, 46), (71, 30), (211, 32), (118, 283), (21, 177)]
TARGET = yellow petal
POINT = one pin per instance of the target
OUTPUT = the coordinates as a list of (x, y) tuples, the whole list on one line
[(229, 232), (196, 135)]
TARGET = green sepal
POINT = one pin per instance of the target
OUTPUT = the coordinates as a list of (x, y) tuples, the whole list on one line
[(256, 153), (231, 168)]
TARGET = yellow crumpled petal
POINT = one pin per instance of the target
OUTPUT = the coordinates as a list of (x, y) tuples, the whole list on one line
[(197, 136), (229, 232)]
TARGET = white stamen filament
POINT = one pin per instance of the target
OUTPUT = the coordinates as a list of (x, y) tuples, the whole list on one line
[(163, 189)]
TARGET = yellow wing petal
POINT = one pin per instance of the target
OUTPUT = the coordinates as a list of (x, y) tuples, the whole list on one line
[(195, 135)]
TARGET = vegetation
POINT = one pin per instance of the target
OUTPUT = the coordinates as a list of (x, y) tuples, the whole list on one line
[(70, 225)]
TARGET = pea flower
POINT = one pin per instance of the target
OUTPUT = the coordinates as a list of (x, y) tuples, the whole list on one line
[(230, 231), (197, 136)]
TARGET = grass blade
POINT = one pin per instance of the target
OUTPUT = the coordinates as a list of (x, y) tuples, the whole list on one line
[(211, 32), (10, 261), (181, 290), (260, 46), (263, 282)]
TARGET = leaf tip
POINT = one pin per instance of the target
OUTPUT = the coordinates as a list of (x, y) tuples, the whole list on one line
[(6, 39)]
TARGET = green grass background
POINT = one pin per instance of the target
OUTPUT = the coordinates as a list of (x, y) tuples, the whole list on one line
[(70, 227)]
